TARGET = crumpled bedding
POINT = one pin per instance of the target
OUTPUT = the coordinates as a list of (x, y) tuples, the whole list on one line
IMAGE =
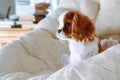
[(28, 55), (36, 55), (105, 66)]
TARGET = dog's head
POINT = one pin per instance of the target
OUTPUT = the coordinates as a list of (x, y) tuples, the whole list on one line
[(74, 25)]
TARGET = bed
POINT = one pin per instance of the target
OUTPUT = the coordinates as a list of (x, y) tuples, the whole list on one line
[(36, 55)]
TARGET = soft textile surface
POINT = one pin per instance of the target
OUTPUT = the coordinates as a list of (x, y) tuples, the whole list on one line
[(32, 54), (35, 55), (105, 66), (107, 21)]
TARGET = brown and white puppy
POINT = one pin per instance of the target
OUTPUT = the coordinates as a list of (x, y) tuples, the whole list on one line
[(79, 30)]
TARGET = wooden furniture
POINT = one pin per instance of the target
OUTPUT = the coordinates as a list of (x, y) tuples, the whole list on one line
[(40, 11), (9, 34)]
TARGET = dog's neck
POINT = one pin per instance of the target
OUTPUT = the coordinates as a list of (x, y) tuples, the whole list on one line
[(82, 50)]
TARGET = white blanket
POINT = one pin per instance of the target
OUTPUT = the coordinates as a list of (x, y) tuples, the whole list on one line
[(105, 66), (35, 55), (29, 55)]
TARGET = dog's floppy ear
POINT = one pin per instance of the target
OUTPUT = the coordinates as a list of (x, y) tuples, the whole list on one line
[(82, 28)]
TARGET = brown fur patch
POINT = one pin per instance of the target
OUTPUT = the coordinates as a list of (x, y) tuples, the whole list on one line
[(68, 19), (80, 28), (100, 48)]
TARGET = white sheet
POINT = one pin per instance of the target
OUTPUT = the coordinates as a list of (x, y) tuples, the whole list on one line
[(105, 66), (39, 51), (33, 53)]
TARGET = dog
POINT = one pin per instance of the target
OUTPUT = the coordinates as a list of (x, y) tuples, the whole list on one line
[(79, 31)]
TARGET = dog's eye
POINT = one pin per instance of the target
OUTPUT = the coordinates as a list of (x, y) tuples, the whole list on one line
[(67, 24)]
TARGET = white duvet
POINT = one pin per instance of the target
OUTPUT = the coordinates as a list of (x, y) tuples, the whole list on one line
[(105, 66), (36, 55)]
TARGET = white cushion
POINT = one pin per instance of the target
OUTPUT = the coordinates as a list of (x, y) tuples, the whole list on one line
[(108, 20), (89, 8), (104, 66)]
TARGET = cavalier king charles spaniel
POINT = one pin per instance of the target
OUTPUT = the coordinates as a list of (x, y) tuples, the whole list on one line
[(79, 31)]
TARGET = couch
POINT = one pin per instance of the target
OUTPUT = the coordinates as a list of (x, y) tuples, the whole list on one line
[(37, 54)]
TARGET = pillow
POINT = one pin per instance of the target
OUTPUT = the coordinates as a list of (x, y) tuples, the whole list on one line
[(90, 8), (87, 7), (108, 20)]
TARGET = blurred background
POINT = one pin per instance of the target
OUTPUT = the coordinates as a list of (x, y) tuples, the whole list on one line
[(29, 6), (31, 10), (24, 7), (20, 16)]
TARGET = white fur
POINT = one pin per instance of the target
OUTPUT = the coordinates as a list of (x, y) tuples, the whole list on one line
[(60, 26), (82, 50), (78, 50), (60, 20)]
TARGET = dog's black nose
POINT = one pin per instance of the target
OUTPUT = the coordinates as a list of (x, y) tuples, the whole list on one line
[(59, 30)]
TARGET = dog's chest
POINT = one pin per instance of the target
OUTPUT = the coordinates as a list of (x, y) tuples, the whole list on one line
[(80, 51), (76, 47)]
